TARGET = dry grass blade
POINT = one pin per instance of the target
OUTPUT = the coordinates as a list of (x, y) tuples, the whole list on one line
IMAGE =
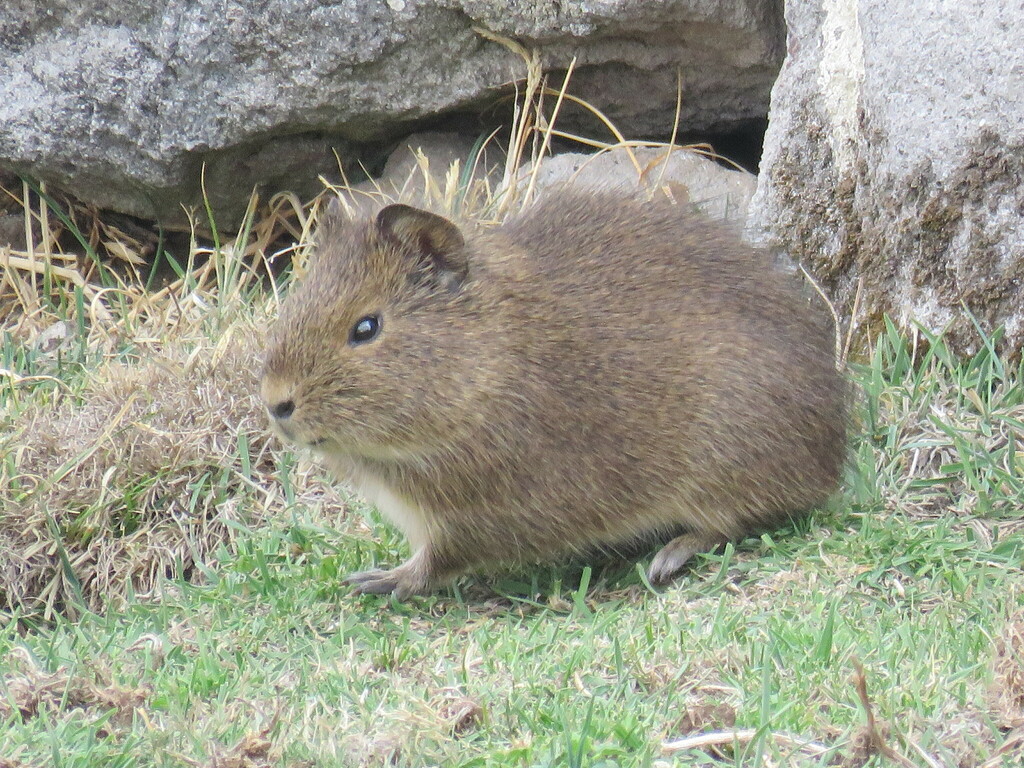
[(728, 738), (34, 268), (837, 325), (545, 145), (528, 114), (675, 126), (852, 324), (1013, 747), (876, 741)]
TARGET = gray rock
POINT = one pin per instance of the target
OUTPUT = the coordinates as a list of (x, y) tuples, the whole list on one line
[(713, 189), (122, 102), (894, 158), (417, 171)]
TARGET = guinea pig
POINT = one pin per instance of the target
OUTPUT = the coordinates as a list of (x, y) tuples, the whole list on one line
[(598, 370)]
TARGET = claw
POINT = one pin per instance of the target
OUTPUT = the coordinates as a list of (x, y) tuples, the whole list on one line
[(377, 581), (412, 577), (671, 558)]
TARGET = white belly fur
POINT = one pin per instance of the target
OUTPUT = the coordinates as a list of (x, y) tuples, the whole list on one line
[(402, 513)]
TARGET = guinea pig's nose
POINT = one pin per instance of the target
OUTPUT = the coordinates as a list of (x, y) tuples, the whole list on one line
[(282, 410)]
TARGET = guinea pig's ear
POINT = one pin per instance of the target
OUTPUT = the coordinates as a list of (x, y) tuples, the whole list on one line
[(331, 216), (330, 219), (334, 211), (434, 242)]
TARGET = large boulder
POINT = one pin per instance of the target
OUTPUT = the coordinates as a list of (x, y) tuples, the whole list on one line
[(894, 157), (122, 102)]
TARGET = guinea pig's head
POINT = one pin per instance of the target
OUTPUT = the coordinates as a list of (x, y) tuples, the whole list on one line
[(369, 354)]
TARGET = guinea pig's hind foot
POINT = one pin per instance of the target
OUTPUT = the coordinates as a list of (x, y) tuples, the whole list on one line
[(671, 558)]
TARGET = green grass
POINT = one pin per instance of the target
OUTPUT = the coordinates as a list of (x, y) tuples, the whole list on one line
[(267, 659)]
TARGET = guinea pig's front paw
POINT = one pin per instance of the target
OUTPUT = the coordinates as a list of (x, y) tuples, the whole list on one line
[(402, 582)]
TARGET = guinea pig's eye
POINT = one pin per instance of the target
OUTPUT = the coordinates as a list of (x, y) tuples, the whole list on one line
[(365, 329)]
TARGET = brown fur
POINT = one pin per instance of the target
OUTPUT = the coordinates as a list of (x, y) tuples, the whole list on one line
[(596, 370)]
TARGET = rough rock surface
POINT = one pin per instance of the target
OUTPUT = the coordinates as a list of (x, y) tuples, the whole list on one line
[(894, 158), (714, 190), (422, 167), (121, 102)]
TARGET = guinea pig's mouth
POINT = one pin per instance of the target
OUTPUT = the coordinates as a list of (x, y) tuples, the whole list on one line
[(282, 431), (286, 433)]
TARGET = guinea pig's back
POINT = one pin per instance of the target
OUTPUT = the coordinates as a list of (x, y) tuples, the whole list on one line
[(688, 353), (621, 254)]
